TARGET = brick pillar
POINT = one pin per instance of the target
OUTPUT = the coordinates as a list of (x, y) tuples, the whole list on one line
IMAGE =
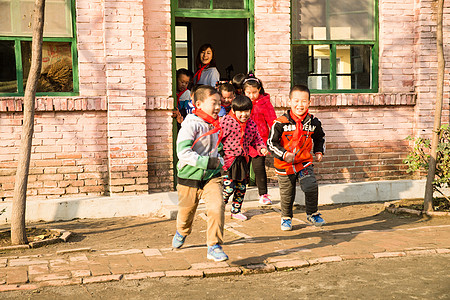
[(273, 46), (125, 92), (158, 61)]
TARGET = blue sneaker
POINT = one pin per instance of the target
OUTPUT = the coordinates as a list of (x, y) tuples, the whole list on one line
[(216, 253), (178, 240), (286, 224), (315, 219)]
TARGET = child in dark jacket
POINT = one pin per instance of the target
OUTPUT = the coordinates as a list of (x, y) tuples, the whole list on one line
[(239, 133), (291, 139), (263, 114)]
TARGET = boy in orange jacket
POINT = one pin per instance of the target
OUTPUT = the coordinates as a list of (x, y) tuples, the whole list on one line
[(291, 139)]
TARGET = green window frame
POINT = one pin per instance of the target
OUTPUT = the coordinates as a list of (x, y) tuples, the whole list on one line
[(20, 39), (307, 46)]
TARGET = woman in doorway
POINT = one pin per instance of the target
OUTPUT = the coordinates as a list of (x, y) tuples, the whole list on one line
[(207, 73)]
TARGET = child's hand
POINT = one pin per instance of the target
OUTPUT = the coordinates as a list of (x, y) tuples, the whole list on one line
[(176, 114), (264, 151), (289, 157), (319, 156)]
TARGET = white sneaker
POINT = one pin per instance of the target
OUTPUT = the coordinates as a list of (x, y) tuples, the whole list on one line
[(265, 200)]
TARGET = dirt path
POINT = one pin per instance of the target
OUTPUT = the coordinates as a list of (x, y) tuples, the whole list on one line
[(394, 278)]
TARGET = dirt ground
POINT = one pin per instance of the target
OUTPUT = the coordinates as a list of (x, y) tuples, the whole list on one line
[(152, 232), (424, 277)]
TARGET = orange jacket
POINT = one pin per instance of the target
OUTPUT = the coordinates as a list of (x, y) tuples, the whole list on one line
[(280, 134)]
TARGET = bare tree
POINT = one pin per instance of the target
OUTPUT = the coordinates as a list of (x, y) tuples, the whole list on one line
[(428, 200), (18, 234)]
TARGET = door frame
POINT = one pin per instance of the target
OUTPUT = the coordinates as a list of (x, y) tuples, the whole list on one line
[(246, 13)]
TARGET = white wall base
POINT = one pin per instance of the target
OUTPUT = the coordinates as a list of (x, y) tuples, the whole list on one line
[(160, 203)]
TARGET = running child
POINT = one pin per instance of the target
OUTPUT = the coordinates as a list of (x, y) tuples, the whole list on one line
[(239, 133), (292, 137), (263, 114), (199, 169)]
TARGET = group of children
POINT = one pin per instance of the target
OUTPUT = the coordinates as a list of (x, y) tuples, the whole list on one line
[(230, 127)]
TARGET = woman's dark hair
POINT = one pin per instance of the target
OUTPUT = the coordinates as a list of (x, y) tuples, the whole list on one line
[(300, 88), (203, 92), (251, 80), (227, 87), (237, 81), (241, 103), (202, 48), (183, 71)]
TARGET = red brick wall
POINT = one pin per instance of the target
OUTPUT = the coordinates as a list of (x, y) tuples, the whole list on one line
[(69, 154), (116, 136)]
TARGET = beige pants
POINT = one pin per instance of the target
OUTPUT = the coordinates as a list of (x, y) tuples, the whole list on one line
[(188, 198)]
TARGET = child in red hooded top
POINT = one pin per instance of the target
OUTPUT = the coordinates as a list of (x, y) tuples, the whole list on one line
[(263, 114)]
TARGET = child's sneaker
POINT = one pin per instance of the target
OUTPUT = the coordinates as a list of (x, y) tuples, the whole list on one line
[(286, 224), (239, 216), (315, 219), (216, 253), (178, 240), (265, 200)]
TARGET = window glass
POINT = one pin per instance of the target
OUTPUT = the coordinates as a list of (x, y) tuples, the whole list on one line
[(228, 4), (204, 4), (56, 72), (181, 33), (8, 77), (353, 69), (311, 65), (351, 18), (5, 17), (56, 22), (182, 63), (181, 49), (16, 18), (333, 20)]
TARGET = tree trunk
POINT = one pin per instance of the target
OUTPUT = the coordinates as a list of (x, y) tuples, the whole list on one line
[(18, 235), (428, 200)]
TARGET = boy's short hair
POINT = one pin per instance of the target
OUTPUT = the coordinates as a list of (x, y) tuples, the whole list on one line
[(300, 88), (237, 80), (203, 92), (183, 71), (241, 103), (226, 87)]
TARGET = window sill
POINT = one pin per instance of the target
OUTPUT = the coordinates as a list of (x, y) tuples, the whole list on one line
[(373, 99), (15, 104)]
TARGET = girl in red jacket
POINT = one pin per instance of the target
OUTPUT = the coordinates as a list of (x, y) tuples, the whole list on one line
[(263, 114)]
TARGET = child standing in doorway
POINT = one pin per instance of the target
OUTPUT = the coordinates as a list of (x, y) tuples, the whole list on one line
[(292, 137), (227, 95), (263, 114), (207, 72), (184, 103), (239, 133), (199, 172)]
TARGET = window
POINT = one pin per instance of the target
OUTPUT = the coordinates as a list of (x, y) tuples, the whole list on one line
[(58, 49), (335, 45), (183, 46)]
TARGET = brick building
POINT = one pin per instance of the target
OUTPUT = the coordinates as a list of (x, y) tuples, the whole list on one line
[(103, 112)]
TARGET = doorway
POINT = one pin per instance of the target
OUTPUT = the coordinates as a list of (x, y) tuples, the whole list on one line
[(229, 37)]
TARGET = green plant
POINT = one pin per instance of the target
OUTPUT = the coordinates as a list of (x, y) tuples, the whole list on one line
[(419, 157)]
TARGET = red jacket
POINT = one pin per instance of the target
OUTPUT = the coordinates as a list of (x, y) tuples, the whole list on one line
[(263, 114), (280, 136)]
